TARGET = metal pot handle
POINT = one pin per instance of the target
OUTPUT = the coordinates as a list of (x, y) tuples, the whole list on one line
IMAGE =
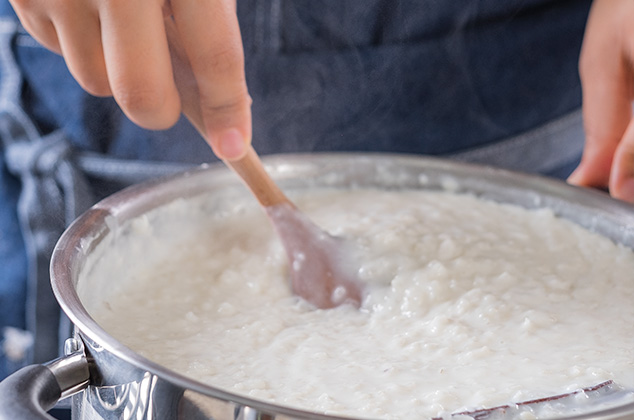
[(33, 390)]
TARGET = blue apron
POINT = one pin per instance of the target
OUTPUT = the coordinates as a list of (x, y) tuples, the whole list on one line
[(488, 81)]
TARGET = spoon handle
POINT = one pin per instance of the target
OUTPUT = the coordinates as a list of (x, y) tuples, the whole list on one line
[(252, 172), (249, 167)]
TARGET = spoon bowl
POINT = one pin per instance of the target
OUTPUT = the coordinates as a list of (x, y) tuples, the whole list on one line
[(320, 267)]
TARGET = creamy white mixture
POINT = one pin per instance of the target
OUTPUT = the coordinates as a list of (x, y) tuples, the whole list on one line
[(471, 304)]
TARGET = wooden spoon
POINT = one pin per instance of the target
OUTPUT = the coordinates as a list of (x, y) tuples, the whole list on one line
[(320, 265)]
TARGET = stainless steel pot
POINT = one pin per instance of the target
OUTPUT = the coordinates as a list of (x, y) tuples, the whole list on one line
[(109, 381)]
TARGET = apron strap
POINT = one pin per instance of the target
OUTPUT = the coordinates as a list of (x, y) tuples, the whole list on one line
[(51, 186)]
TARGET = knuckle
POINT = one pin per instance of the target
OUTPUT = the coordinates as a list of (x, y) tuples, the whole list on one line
[(148, 106), (95, 86), (139, 98), (228, 61), (229, 106), (91, 77)]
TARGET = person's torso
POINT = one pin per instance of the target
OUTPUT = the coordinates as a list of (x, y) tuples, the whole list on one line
[(394, 76)]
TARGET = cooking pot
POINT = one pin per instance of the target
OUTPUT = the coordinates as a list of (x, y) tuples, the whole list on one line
[(109, 381)]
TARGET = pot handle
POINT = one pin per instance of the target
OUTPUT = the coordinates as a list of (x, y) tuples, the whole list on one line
[(33, 390)]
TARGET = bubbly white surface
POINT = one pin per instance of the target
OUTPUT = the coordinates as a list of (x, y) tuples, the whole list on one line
[(470, 304)]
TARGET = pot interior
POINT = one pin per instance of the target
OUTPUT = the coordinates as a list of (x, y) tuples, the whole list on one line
[(109, 221)]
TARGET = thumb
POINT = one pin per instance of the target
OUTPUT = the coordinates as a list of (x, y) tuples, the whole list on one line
[(622, 174), (606, 81), (594, 168)]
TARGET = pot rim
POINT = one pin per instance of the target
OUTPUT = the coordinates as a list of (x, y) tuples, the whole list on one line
[(79, 238)]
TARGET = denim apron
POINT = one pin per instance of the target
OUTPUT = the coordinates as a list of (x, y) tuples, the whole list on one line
[(480, 81)]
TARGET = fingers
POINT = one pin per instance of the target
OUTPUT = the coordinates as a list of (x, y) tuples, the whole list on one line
[(606, 79), (211, 38), (73, 32), (37, 23), (138, 63), (120, 48), (115, 47), (80, 44)]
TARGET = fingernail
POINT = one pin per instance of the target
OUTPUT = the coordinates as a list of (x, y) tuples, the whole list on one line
[(231, 144), (626, 190), (575, 177)]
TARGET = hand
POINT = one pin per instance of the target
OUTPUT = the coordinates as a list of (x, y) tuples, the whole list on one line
[(607, 79), (120, 48)]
